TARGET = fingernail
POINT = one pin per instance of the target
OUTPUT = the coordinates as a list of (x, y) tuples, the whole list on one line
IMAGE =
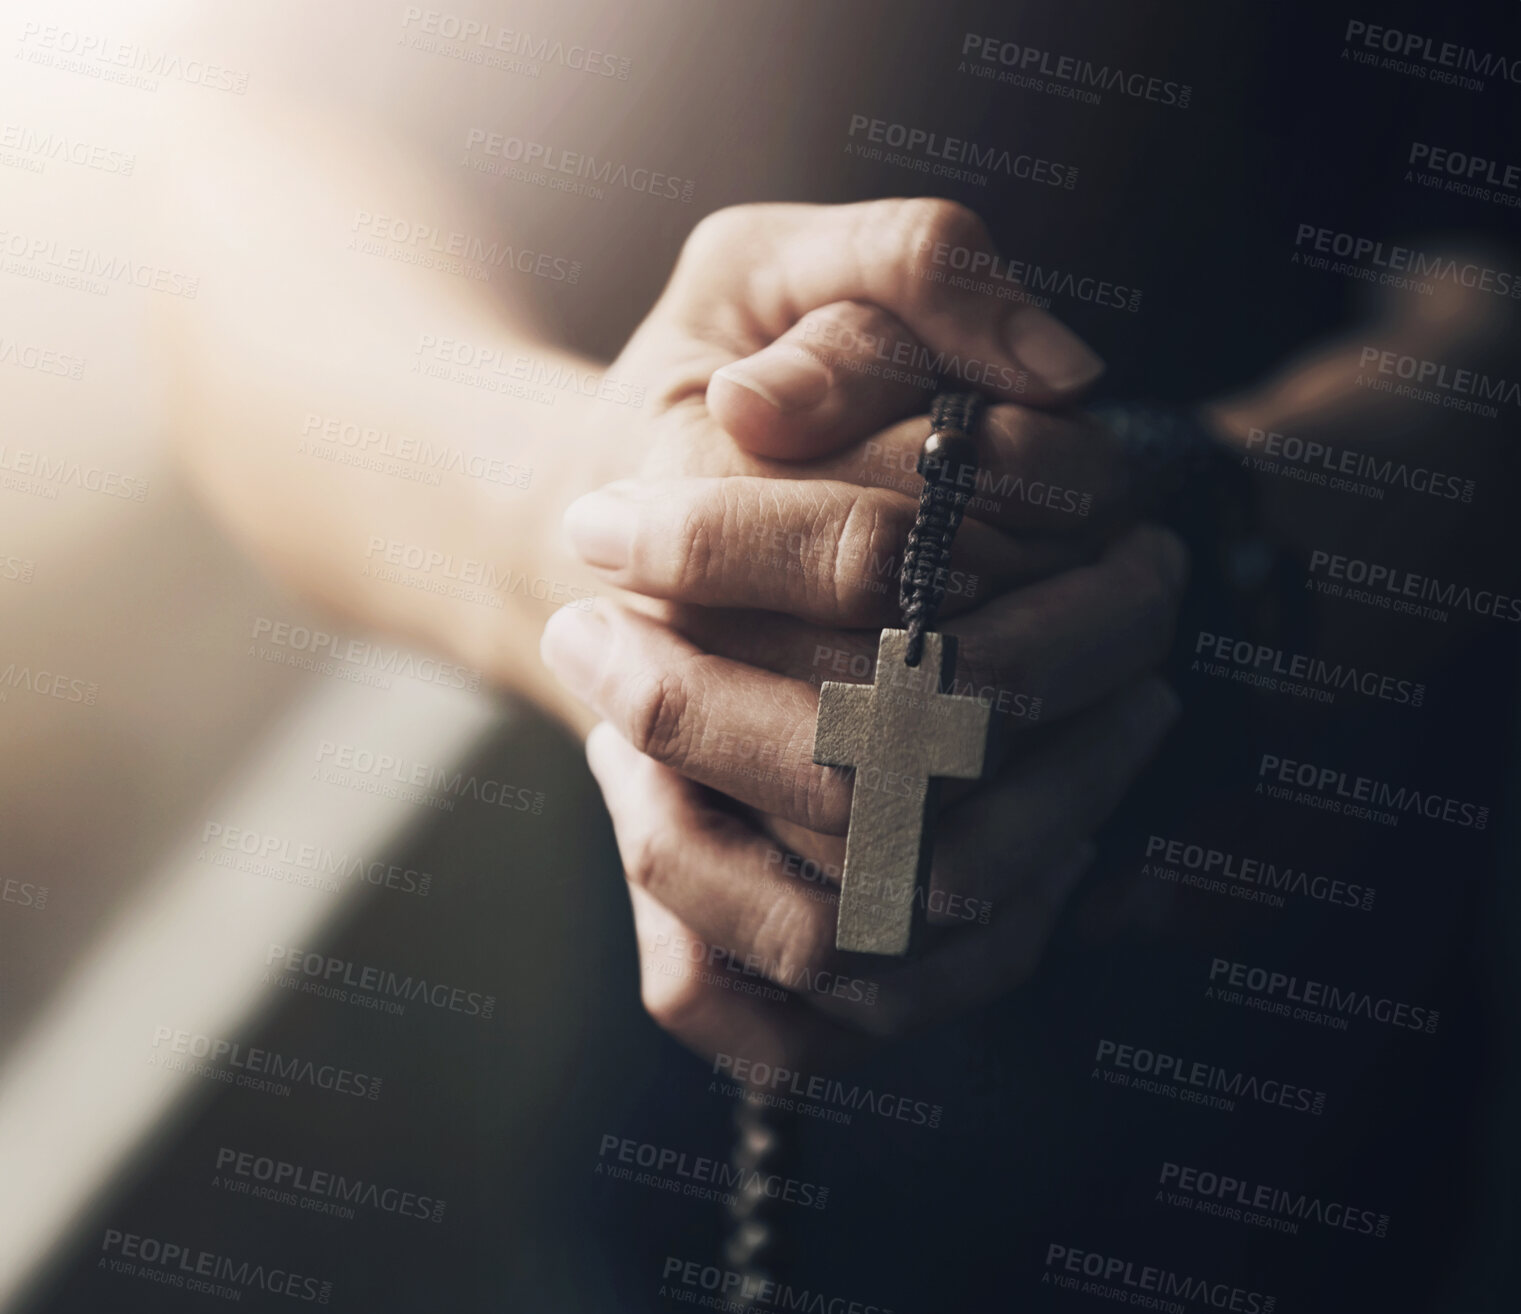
[(601, 528), (573, 647), (786, 377), (1049, 350)]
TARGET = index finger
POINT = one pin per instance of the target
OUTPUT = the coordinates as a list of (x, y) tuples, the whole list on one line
[(1036, 472), (799, 258)]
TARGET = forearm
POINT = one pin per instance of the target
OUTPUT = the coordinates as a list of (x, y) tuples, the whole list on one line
[(322, 410), (1302, 435)]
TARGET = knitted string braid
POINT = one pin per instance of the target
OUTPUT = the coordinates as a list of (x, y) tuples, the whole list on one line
[(948, 464)]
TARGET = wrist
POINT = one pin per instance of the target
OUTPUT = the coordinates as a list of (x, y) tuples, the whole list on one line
[(568, 448)]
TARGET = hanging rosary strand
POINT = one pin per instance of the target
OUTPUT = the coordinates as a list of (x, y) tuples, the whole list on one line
[(949, 466), (906, 725), (904, 722)]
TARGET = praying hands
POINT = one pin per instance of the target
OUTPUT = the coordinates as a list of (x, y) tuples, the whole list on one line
[(757, 545), (743, 529)]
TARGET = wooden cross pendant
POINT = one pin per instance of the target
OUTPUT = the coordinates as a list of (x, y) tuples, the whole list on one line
[(900, 733)]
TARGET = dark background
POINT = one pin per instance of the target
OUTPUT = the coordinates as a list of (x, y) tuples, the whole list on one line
[(1198, 208)]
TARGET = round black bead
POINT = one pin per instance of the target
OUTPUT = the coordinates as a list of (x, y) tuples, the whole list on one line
[(948, 456)]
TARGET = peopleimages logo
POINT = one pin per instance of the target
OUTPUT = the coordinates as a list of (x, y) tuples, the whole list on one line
[(951, 157), (24, 894), (1397, 262), (102, 56), (52, 146), (262, 850), (1207, 867), (48, 684), (1333, 790), (171, 1264), (1272, 991), (1339, 468), (1440, 56), (318, 1190), (1274, 669), (365, 447), (1393, 588), (478, 37), (467, 247), (698, 1175), (1464, 167), (693, 952), (801, 1093), (1434, 376), (320, 644), (1277, 1208), (1112, 1278), (243, 1061), (1022, 280), (383, 984), (748, 1291), (1157, 1072), (347, 762), (516, 157), (992, 495), (1083, 74), (43, 360), (907, 354), (97, 266), (66, 472), (453, 358)]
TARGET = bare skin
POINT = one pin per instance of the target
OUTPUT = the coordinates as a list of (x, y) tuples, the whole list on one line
[(729, 526)]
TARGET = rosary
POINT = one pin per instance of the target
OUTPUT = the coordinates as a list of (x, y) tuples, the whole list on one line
[(901, 733)]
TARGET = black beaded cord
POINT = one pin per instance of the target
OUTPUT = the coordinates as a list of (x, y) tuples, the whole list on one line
[(755, 1246), (755, 1243), (949, 466)]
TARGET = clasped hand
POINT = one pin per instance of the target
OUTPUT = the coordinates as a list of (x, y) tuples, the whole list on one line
[(752, 531)]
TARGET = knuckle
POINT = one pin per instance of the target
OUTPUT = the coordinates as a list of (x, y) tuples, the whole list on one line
[(817, 799), (860, 316), (821, 802), (1032, 443), (718, 231), (658, 722), (672, 1002), (1012, 426), (644, 858), (1014, 438), (846, 328), (699, 550), (925, 222), (1018, 435), (857, 567), (793, 939)]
